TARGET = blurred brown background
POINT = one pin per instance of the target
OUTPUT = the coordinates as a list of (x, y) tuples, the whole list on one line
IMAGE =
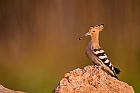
[(39, 40)]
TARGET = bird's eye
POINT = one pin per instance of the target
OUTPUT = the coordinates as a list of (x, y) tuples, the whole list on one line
[(93, 31)]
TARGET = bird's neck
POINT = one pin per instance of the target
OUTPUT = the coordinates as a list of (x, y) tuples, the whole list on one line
[(95, 41)]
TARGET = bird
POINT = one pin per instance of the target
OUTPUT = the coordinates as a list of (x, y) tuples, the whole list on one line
[(96, 53)]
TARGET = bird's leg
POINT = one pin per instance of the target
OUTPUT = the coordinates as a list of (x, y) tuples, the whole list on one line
[(97, 70), (98, 67)]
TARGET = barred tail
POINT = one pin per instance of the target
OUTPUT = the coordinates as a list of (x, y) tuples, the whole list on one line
[(117, 71)]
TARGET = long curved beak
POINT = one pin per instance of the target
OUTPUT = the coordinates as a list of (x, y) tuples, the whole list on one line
[(86, 34)]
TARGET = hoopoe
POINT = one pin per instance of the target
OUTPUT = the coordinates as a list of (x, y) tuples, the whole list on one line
[(96, 54)]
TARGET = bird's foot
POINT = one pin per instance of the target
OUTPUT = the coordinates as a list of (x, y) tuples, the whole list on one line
[(97, 70), (98, 67)]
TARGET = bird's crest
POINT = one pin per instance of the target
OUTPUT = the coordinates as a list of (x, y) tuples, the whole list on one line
[(93, 30)]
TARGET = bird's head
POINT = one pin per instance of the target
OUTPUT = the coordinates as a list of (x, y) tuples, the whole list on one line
[(93, 30)]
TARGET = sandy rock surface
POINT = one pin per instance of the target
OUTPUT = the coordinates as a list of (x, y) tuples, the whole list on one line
[(6, 90), (91, 80)]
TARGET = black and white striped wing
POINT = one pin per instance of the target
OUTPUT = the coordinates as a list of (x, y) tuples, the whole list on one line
[(103, 57)]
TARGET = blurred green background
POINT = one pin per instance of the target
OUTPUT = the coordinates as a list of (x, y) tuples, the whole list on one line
[(39, 40)]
